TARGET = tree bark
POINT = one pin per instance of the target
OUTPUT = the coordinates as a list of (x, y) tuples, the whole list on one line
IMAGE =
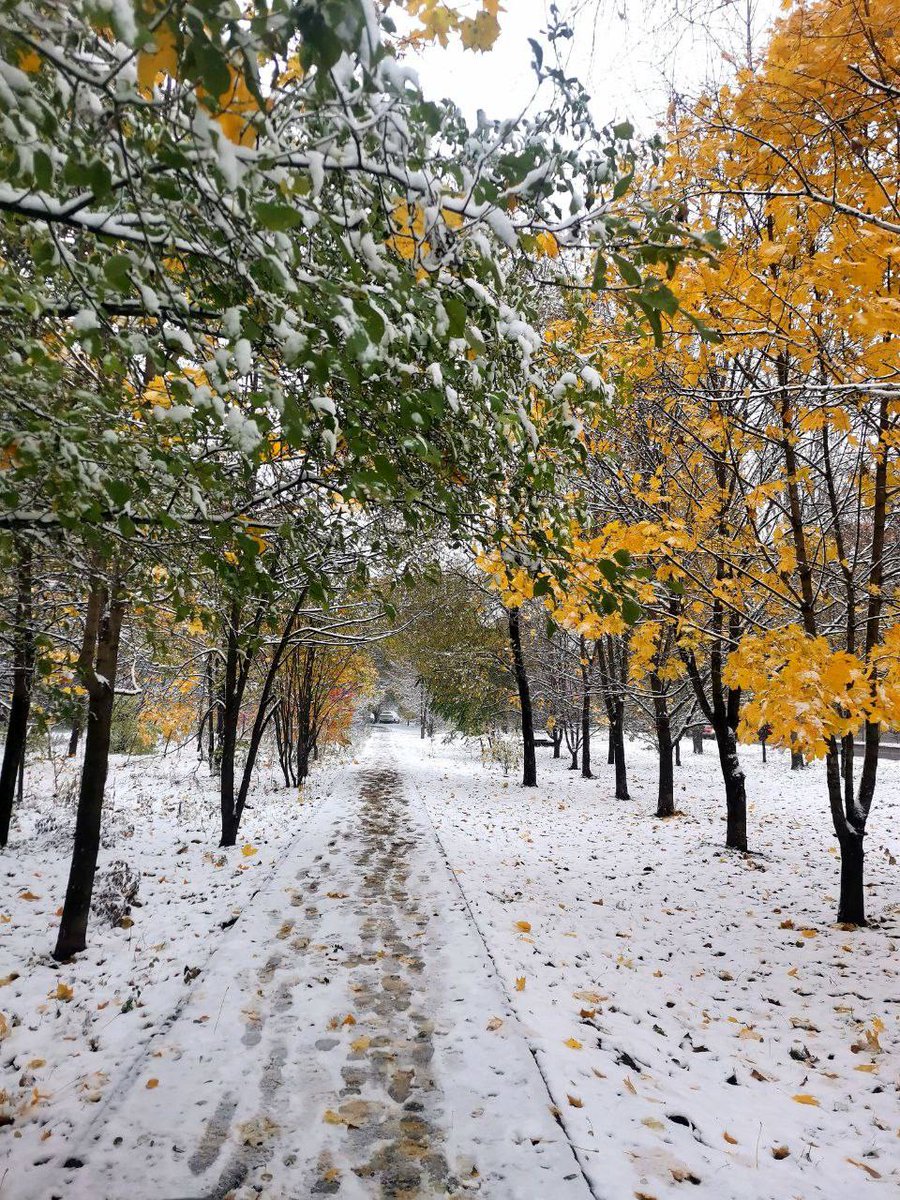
[(852, 901), (231, 707), (231, 821), (665, 798), (585, 710), (529, 760), (697, 739), (74, 737), (20, 705), (618, 731), (97, 667), (735, 790), (211, 708)]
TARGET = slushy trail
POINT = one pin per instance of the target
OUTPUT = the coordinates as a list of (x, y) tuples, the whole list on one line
[(349, 1037)]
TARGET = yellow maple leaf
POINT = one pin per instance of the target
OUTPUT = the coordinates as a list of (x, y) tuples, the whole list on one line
[(805, 1098), (30, 62), (162, 59), (520, 983), (63, 992), (546, 245), (572, 1043), (248, 851)]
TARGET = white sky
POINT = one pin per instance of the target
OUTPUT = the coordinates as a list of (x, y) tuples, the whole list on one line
[(629, 53)]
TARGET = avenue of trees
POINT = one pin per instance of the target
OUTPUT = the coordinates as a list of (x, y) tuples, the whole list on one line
[(584, 429)]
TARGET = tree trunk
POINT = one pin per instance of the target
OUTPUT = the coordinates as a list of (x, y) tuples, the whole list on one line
[(735, 792), (611, 745), (20, 706), (557, 737), (678, 752), (529, 761), (585, 712), (618, 732), (852, 901), (97, 668), (231, 708), (665, 801), (211, 710), (697, 739), (797, 761), (74, 737)]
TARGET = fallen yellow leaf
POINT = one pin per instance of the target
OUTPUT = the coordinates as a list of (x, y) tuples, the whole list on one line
[(805, 1098), (572, 1043), (63, 992), (151, 1083), (361, 1043), (248, 851), (870, 1171), (574, 1101), (520, 983), (525, 926)]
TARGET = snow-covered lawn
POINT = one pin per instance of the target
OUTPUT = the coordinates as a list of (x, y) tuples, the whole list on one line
[(67, 1030), (702, 1025), (698, 1014)]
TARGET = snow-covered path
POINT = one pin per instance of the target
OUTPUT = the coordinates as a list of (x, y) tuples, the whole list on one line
[(349, 1036)]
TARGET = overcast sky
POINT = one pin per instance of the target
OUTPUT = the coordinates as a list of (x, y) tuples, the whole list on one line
[(629, 53)]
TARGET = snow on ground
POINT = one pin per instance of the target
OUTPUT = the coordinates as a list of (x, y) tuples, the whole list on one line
[(67, 1030), (444, 983), (347, 1036), (700, 1018)]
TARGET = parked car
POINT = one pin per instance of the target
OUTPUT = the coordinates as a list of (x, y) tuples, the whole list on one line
[(388, 716)]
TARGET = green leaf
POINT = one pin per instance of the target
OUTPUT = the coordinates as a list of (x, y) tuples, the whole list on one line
[(277, 216), (628, 271), (456, 311), (116, 269), (631, 610), (598, 283), (209, 65), (622, 185), (663, 299), (624, 131), (43, 170)]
